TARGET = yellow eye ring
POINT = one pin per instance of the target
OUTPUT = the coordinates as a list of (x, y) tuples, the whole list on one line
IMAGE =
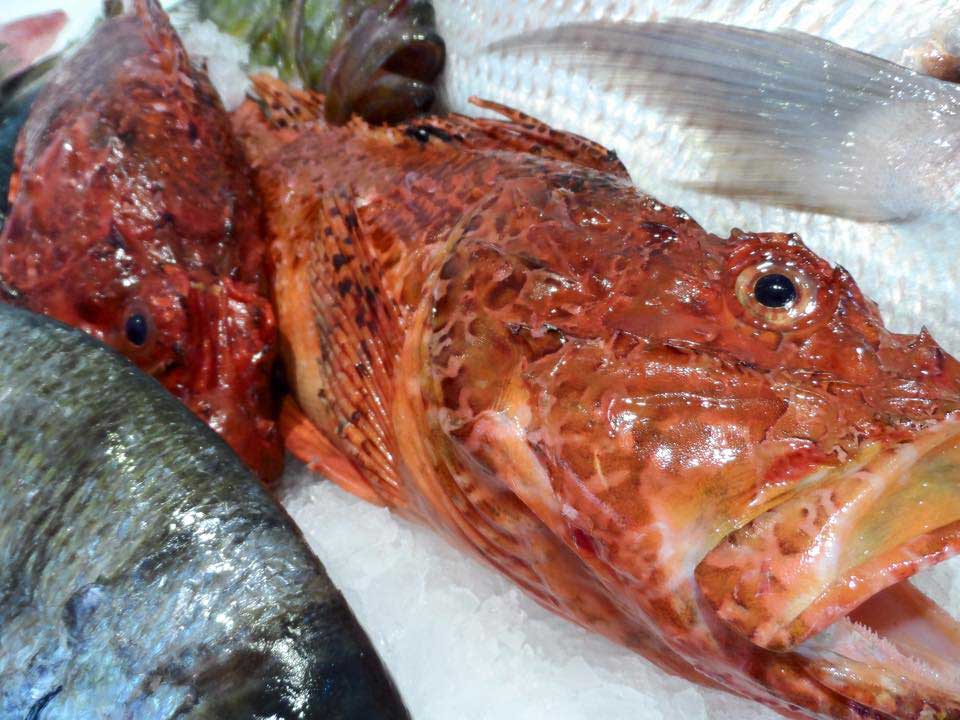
[(779, 296), (777, 284)]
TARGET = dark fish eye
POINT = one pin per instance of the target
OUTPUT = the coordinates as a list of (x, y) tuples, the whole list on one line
[(136, 329), (775, 290)]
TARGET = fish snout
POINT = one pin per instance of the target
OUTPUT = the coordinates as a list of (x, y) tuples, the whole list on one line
[(385, 67)]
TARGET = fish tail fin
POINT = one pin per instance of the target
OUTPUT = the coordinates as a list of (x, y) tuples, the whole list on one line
[(345, 429), (312, 447)]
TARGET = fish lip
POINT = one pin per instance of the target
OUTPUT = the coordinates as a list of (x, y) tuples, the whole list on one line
[(385, 68), (802, 576)]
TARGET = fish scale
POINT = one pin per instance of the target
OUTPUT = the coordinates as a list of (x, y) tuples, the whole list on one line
[(899, 265), (145, 571)]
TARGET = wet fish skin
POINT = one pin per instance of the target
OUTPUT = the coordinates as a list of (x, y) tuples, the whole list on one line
[(133, 217), (895, 263), (145, 573), (490, 330)]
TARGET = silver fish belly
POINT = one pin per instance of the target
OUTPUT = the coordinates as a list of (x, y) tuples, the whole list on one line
[(144, 573)]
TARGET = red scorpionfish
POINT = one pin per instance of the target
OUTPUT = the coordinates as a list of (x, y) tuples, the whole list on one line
[(709, 449), (134, 217)]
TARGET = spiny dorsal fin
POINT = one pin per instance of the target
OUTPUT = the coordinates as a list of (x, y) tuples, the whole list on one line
[(284, 106), (520, 133), (788, 118), (563, 145)]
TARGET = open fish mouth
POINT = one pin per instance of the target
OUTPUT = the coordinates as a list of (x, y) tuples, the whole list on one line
[(385, 68), (823, 575)]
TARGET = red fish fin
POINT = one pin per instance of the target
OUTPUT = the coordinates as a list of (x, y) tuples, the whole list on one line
[(161, 35), (312, 447), (358, 338), (284, 106), (526, 133), (25, 40)]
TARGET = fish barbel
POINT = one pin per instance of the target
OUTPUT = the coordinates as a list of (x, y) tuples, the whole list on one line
[(145, 573), (598, 94), (710, 449)]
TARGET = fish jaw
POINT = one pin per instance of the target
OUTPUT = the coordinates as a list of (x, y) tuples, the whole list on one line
[(822, 573), (815, 556)]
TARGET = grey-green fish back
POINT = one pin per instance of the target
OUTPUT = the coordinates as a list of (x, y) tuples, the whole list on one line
[(144, 572)]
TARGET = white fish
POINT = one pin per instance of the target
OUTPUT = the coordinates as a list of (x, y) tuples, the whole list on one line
[(790, 119), (905, 266)]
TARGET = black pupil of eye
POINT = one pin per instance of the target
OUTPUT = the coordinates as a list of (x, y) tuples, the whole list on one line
[(775, 290), (136, 328)]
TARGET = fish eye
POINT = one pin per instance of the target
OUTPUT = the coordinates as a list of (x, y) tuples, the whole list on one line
[(136, 329), (777, 296), (774, 290)]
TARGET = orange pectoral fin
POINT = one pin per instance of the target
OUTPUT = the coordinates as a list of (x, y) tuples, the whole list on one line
[(312, 447)]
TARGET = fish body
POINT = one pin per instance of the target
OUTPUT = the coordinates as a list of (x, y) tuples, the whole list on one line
[(700, 446), (669, 156), (790, 118), (145, 573), (133, 217)]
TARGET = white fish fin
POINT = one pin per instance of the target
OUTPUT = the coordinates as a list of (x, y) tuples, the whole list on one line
[(788, 118)]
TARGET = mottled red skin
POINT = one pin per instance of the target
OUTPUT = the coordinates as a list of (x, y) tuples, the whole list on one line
[(131, 195), (490, 330)]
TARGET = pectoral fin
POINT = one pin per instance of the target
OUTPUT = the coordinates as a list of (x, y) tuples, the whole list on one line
[(341, 335)]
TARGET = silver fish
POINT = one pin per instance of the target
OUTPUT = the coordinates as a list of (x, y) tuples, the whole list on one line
[(144, 572)]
